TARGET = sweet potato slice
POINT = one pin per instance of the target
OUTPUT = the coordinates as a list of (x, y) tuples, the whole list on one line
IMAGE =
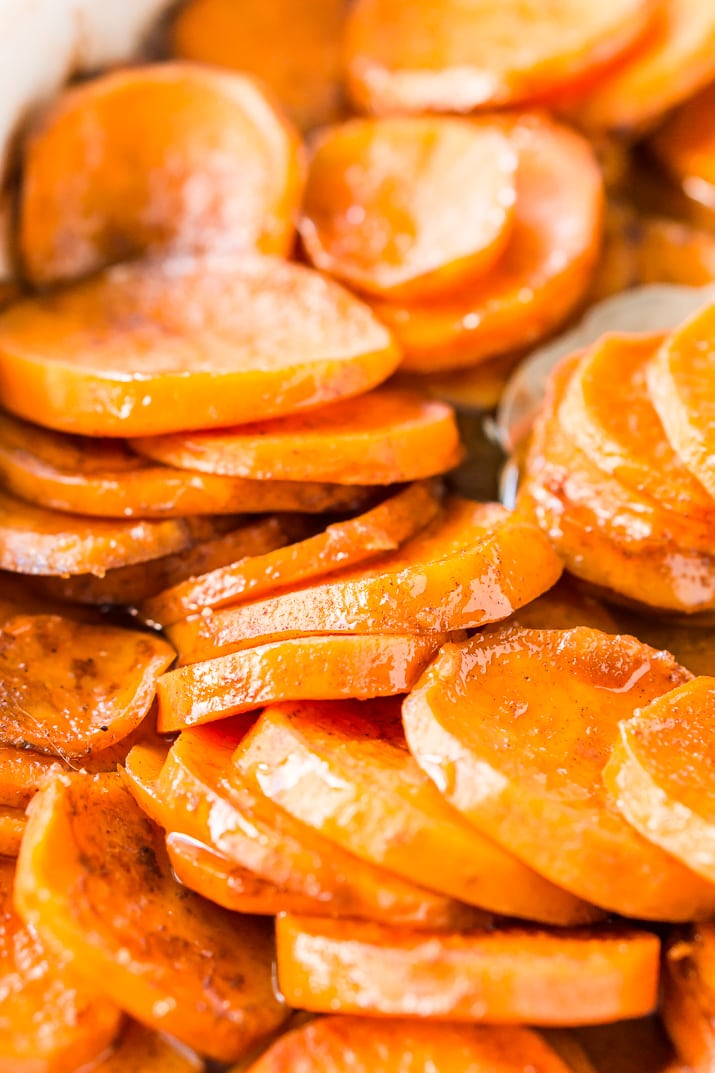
[(105, 479), (607, 412), (83, 208), (139, 1050), (391, 435), (164, 346), (456, 57), (510, 974), (471, 565), (70, 688), (167, 957), (336, 1044), (682, 385), (569, 688), (687, 1010), (409, 208), (346, 543), (674, 60), (50, 1022), (355, 782), (299, 668), (34, 540), (529, 291), (661, 774), (302, 68), (214, 805)]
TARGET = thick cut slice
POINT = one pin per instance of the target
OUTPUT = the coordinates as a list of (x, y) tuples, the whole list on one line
[(171, 158), (38, 541), (511, 974), (50, 1022), (530, 290), (93, 879), (662, 776), (687, 1008), (214, 805), (164, 346), (105, 479), (346, 543), (339, 1044), (674, 60), (515, 726), (473, 564), (387, 436), (300, 668), (353, 780), (409, 208), (301, 67), (141, 773), (607, 412), (70, 688), (682, 385), (139, 1050), (459, 55)]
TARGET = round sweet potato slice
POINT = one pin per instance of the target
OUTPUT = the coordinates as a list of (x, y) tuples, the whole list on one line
[(93, 879), (165, 346), (516, 726), (167, 158), (409, 208), (457, 56), (510, 974)]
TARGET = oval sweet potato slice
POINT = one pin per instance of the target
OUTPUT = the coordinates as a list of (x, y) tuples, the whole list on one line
[(510, 974), (336, 1044), (529, 292), (212, 803), (477, 721), (164, 346), (50, 1022), (169, 958), (139, 1050), (70, 688), (390, 436), (213, 167), (302, 68), (354, 780), (661, 774), (105, 479), (298, 668), (409, 207), (455, 57), (342, 544), (473, 564)]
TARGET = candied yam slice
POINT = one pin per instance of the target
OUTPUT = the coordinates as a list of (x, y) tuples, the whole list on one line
[(297, 668), (34, 540), (674, 60), (459, 55), (166, 158), (338, 1044), (685, 144), (301, 68), (545, 270), (477, 723), (387, 436), (213, 804), (354, 780), (93, 878), (141, 773), (509, 974), (662, 777), (104, 478), (164, 346), (409, 208), (681, 379), (70, 688), (342, 544), (50, 1021), (607, 412), (140, 1050), (472, 564)]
